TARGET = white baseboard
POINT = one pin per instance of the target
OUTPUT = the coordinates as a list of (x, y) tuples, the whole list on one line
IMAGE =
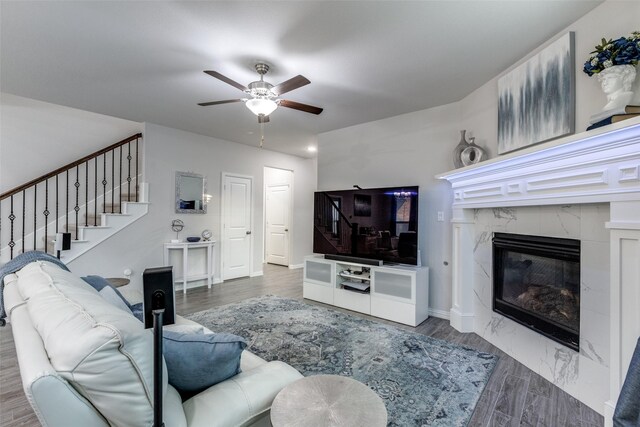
[(440, 314), (257, 273), (461, 322), (609, 408), (295, 266), (217, 280)]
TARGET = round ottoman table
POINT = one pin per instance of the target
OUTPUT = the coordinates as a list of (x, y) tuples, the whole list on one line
[(328, 400)]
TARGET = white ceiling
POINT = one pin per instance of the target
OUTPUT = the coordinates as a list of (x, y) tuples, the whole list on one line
[(143, 61)]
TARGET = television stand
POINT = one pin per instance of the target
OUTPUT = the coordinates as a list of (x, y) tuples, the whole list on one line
[(399, 293)]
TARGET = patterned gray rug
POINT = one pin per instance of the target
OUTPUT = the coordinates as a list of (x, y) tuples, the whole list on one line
[(422, 381)]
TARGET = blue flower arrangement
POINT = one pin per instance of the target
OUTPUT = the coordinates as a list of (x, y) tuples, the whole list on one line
[(622, 51)]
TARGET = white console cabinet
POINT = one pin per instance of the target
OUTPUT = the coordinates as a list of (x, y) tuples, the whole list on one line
[(397, 293)]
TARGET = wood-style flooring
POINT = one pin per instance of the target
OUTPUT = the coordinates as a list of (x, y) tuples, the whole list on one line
[(514, 395)]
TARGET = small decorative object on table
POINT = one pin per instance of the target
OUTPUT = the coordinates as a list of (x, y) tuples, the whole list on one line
[(193, 239), (177, 226), (472, 154), (206, 235), (457, 152), (614, 62)]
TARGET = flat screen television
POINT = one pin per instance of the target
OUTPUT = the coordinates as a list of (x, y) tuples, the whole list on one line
[(378, 223)]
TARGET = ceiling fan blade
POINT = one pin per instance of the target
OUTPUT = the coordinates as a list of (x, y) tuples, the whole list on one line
[(302, 107), (227, 80), (226, 101), (263, 119), (289, 85)]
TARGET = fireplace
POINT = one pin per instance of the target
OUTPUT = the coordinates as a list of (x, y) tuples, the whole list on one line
[(536, 282)]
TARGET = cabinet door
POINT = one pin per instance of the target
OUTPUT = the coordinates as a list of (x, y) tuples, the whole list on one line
[(394, 284), (319, 272)]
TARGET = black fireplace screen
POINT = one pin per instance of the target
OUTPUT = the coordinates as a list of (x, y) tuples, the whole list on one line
[(536, 282)]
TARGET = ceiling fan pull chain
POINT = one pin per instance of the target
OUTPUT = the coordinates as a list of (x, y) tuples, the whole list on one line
[(261, 134)]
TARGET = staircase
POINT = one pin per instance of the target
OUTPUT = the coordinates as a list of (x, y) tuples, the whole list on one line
[(332, 229), (92, 198)]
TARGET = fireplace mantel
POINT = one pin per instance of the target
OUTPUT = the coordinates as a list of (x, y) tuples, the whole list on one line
[(602, 165), (599, 166)]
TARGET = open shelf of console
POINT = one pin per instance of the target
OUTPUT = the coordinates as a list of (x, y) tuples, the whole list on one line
[(398, 293)]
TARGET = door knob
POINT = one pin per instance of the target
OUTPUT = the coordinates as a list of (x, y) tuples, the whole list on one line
[(286, 229), (248, 232)]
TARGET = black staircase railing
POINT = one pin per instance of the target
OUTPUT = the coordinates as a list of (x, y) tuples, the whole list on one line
[(333, 223), (18, 199)]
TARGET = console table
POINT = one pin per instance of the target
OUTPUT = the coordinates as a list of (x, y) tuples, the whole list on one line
[(185, 247)]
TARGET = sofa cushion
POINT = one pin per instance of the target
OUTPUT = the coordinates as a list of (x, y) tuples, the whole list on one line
[(105, 353), (240, 400), (196, 361)]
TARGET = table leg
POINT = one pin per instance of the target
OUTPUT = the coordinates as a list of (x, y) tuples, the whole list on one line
[(185, 269)]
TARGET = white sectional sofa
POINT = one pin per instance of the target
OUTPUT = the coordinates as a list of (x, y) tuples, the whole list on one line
[(84, 362)]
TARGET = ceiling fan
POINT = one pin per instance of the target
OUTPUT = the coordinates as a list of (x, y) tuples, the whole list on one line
[(264, 96)]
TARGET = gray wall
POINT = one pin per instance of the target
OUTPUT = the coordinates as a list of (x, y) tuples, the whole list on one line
[(402, 150), (412, 148)]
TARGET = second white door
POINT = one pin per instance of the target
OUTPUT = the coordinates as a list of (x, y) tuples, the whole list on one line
[(236, 246), (277, 213)]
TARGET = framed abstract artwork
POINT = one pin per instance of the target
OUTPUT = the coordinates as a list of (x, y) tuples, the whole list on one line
[(361, 205), (536, 100)]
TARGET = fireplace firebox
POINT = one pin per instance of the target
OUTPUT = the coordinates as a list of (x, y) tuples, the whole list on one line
[(536, 282)]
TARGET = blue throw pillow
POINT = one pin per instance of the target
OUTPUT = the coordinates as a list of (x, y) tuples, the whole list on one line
[(137, 310), (195, 362), (107, 291)]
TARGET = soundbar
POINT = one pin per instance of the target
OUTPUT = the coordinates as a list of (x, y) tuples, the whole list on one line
[(354, 259)]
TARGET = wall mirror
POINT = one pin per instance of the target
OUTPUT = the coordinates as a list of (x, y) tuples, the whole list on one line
[(191, 189)]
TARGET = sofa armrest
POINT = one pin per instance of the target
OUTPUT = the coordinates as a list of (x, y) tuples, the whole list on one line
[(240, 400), (51, 396)]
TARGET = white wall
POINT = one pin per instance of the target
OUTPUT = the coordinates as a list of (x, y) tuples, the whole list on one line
[(412, 148), (169, 150), (37, 137), (403, 150)]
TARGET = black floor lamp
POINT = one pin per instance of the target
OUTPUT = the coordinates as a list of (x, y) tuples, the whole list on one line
[(159, 309)]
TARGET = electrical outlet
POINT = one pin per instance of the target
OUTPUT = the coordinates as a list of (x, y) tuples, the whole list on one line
[(440, 216)]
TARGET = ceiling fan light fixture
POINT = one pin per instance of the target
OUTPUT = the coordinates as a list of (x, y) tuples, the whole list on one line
[(262, 106)]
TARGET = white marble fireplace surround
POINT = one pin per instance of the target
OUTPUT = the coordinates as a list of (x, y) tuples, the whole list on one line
[(585, 186)]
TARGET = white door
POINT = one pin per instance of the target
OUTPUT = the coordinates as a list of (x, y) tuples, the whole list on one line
[(277, 213), (236, 244)]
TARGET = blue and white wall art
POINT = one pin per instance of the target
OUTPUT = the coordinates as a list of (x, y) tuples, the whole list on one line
[(536, 100)]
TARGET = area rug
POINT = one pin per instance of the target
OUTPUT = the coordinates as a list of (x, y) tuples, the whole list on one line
[(423, 381)]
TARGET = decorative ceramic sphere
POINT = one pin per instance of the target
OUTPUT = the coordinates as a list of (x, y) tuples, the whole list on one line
[(206, 235), (177, 225)]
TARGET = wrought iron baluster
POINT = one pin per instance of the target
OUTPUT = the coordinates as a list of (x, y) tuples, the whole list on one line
[(120, 182), (113, 177), (77, 207), (12, 217), (66, 201), (57, 203), (137, 183), (46, 215), (95, 192), (35, 213), (104, 183), (24, 195), (86, 193), (129, 172)]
